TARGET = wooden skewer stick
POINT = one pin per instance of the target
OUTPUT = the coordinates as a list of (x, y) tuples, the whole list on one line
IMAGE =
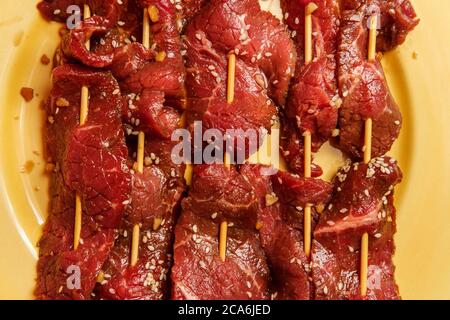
[(146, 30), (140, 152), (135, 245), (231, 77), (307, 212), (188, 174), (224, 225), (227, 161), (310, 8), (223, 240), (84, 108), (136, 228), (141, 142), (157, 223), (189, 167), (367, 158)]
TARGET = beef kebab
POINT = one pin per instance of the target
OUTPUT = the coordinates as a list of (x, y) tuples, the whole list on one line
[(362, 83), (89, 160), (239, 61), (363, 204), (157, 183), (310, 116)]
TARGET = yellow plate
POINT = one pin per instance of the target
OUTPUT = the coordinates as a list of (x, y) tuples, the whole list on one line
[(421, 87)]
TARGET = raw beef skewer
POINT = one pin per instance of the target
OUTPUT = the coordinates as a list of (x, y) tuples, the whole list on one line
[(362, 83), (312, 105), (84, 109), (150, 14), (310, 8), (345, 264), (266, 62), (141, 137), (230, 98), (157, 187), (367, 158)]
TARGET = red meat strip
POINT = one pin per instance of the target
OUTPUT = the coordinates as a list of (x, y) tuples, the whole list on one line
[(362, 83)]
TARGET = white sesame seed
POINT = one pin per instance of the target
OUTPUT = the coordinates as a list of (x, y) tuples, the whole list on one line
[(325, 290)]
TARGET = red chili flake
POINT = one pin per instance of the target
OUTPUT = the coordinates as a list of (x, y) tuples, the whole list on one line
[(27, 93), (45, 60)]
